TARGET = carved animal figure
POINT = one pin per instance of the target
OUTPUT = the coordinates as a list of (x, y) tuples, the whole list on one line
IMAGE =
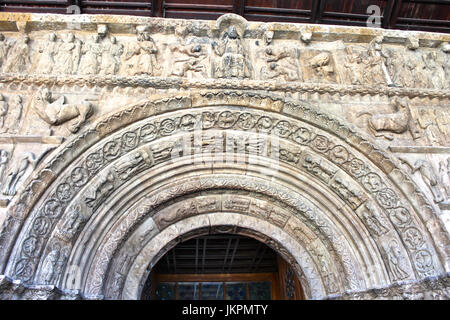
[(398, 122), (58, 111), (16, 174), (322, 59), (428, 176)]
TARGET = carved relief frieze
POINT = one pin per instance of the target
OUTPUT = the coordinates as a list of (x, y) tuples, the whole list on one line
[(230, 51)]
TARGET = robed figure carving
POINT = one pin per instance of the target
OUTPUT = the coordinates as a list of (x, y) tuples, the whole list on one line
[(140, 56), (232, 59)]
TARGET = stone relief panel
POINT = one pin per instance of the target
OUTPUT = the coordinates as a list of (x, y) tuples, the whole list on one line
[(230, 50), (419, 68), (402, 122), (319, 66), (231, 58), (189, 55), (278, 61), (398, 122), (31, 116), (140, 57), (63, 101), (17, 163), (431, 173), (11, 113), (434, 125), (363, 66), (57, 111)]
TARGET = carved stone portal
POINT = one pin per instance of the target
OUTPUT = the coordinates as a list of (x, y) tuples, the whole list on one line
[(330, 145)]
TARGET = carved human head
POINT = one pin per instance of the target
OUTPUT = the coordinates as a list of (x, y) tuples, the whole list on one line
[(102, 30), (379, 39), (142, 33), (46, 94), (180, 31), (399, 103), (432, 55), (268, 37), (52, 37), (17, 99), (26, 39), (232, 32), (144, 36), (306, 37), (412, 43), (113, 40), (446, 47), (70, 37), (377, 42), (2, 37), (1, 97)]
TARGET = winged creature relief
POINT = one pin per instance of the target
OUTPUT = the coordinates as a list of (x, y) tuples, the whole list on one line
[(57, 112)]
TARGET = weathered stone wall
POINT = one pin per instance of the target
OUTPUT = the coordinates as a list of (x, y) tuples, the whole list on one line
[(345, 136)]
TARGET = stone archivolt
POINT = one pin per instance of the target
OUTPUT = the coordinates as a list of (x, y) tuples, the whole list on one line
[(350, 179), (95, 214)]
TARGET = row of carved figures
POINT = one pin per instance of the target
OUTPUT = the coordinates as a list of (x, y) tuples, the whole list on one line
[(226, 57)]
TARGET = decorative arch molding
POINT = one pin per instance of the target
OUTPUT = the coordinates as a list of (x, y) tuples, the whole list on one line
[(363, 180), (217, 222), (320, 234)]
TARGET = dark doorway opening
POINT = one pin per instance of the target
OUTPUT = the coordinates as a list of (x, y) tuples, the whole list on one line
[(222, 267)]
